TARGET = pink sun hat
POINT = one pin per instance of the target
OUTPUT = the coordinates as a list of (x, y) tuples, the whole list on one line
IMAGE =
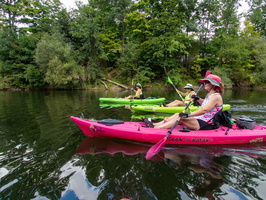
[(214, 80)]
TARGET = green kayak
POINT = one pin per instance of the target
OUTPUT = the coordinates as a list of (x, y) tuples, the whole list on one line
[(137, 116), (130, 101), (158, 109)]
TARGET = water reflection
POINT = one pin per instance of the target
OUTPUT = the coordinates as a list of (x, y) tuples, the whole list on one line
[(78, 185), (93, 145), (211, 164), (37, 141)]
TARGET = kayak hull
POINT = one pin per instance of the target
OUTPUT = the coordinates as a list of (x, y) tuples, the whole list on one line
[(137, 131), (134, 101), (170, 110)]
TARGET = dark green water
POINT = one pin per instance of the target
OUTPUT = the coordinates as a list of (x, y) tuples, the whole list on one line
[(43, 154)]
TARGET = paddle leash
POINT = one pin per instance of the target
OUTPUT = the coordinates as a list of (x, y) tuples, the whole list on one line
[(157, 147)]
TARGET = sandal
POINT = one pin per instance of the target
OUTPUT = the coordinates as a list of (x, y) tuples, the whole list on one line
[(148, 123)]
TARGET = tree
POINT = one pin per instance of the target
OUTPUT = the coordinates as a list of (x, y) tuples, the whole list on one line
[(56, 62), (257, 15)]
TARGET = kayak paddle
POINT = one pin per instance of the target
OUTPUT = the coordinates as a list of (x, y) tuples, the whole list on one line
[(171, 82), (157, 147)]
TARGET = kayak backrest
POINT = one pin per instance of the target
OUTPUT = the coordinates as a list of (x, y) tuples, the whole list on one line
[(142, 96), (110, 121)]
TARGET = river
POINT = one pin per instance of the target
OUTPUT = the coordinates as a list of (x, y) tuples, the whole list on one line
[(43, 154)]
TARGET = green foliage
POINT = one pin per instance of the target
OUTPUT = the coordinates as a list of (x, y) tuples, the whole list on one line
[(257, 15), (137, 39), (144, 75), (61, 75), (177, 76), (56, 62), (225, 76), (34, 77)]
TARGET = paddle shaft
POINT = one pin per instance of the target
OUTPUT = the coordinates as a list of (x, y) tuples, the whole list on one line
[(157, 147), (170, 131), (171, 82), (177, 91), (132, 87), (191, 101)]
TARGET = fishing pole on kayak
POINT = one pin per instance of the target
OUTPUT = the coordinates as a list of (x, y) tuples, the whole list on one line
[(171, 82), (157, 147)]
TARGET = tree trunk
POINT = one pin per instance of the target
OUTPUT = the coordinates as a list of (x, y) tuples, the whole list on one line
[(118, 84)]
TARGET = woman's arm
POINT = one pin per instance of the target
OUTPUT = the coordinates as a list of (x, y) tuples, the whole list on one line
[(215, 100), (138, 93), (183, 94)]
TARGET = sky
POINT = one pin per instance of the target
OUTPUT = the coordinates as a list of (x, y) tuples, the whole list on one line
[(71, 3)]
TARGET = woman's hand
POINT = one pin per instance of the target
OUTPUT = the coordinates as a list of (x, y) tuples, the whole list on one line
[(195, 97), (166, 119), (184, 115)]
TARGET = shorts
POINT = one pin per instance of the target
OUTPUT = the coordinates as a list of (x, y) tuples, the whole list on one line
[(204, 125)]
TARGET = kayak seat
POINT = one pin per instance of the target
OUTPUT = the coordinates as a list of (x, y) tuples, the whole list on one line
[(142, 96), (110, 122)]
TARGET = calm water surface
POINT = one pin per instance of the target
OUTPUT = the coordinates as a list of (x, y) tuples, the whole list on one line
[(43, 154)]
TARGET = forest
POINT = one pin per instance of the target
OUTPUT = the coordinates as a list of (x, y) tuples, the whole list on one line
[(43, 45)]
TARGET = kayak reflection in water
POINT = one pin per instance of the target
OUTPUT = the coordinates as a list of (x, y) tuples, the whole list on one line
[(199, 164)]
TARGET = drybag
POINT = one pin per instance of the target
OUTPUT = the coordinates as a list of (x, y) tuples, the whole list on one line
[(246, 122), (222, 118)]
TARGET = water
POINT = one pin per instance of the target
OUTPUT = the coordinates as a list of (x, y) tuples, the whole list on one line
[(43, 154)]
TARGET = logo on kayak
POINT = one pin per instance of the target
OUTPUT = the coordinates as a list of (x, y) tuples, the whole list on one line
[(189, 140), (92, 128), (96, 128), (256, 140)]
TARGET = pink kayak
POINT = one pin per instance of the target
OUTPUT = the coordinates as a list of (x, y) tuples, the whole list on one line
[(138, 131)]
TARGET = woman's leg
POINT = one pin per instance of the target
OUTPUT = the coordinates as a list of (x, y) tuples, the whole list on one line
[(129, 97), (166, 119), (167, 123), (190, 122), (175, 103)]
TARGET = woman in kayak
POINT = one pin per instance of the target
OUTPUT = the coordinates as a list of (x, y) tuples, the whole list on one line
[(189, 92), (138, 91), (200, 119)]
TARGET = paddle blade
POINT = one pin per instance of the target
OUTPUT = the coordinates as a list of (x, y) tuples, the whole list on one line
[(155, 149), (169, 80)]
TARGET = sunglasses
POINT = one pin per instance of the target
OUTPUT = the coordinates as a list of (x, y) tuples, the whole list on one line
[(205, 82)]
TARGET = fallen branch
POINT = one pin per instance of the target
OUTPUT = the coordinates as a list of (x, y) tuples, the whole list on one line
[(106, 87), (118, 84)]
